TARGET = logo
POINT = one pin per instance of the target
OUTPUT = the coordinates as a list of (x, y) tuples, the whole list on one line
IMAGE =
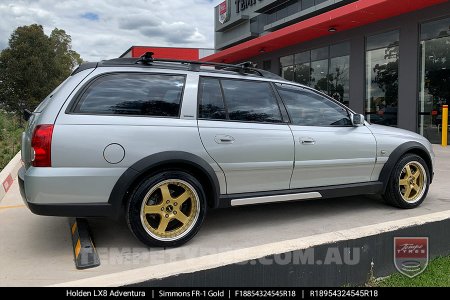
[(242, 5), (411, 255), (224, 11), (8, 183)]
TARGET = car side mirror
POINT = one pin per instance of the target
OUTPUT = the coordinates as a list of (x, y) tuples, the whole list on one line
[(358, 120)]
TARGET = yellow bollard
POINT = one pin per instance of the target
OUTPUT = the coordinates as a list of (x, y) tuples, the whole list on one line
[(444, 125)]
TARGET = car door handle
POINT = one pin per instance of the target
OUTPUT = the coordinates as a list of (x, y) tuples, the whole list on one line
[(224, 139), (307, 141)]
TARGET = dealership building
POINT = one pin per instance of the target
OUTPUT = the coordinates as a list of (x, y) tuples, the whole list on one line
[(388, 59)]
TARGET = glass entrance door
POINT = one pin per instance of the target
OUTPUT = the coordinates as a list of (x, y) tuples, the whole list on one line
[(434, 84)]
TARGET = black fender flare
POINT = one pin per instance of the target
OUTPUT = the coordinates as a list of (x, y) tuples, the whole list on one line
[(152, 162), (412, 147)]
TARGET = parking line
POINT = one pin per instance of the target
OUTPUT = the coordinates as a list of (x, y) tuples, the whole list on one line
[(12, 206)]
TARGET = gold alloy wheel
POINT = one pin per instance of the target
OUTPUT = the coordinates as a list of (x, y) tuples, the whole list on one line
[(412, 181), (170, 209)]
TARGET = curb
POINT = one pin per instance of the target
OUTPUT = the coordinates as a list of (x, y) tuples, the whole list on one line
[(9, 174), (197, 265)]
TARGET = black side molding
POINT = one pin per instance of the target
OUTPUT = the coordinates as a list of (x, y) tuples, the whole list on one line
[(408, 147)]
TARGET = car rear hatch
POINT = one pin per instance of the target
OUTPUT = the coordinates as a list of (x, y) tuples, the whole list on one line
[(46, 113), (27, 152)]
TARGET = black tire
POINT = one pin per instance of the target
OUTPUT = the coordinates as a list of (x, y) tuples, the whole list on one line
[(394, 191), (145, 228)]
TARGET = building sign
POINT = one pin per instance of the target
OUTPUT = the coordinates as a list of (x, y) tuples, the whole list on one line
[(242, 5), (224, 11)]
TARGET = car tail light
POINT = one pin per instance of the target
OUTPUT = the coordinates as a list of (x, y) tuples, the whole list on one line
[(42, 145)]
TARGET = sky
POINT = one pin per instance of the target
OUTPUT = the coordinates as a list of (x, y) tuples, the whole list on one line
[(103, 29)]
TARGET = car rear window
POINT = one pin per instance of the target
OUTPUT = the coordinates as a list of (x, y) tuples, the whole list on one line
[(133, 94)]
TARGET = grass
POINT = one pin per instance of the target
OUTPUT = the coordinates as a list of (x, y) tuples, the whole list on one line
[(437, 274), (11, 129)]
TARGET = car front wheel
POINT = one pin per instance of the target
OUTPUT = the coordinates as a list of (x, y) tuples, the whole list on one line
[(167, 210), (409, 182)]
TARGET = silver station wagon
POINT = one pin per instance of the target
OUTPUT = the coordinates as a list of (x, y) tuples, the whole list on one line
[(162, 141)]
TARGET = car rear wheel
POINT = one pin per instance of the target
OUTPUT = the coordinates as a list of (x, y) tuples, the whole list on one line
[(167, 210), (409, 182)]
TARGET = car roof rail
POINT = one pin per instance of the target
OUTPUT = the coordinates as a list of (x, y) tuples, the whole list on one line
[(84, 66), (147, 59)]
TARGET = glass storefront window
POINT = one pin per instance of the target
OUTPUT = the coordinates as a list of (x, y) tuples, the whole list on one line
[(319, 73), (288, 73), (303, 73), (325, 69), (434, 77), (287, 67), (287, 60), (382, 40), (341, 49), (435, 29), (339, 78), (382, 54), (303, 57), (267, 65), (289, 9), (303, 67), (320, 53)]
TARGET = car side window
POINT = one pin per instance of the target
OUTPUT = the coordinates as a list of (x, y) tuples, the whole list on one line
[(307, 108), (133, 94), (211, 104), (250, 101)]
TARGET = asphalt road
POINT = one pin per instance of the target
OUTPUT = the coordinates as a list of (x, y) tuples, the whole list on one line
[(36, 250)]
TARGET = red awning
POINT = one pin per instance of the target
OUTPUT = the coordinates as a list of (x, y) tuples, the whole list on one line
[(349, 16)]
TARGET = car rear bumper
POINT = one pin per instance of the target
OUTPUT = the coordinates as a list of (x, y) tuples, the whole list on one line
[(34, 200)]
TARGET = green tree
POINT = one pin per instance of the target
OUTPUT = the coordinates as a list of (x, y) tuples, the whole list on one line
[(66, 59), (33, 65)]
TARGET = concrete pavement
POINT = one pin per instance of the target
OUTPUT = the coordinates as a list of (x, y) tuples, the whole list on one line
[(36, 250)]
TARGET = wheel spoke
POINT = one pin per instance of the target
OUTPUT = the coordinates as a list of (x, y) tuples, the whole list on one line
[(163, 224), (416, 188), (165, 192), (182, 198), (416, 175), (180, 216), (408, 170), (403, 182), (152, 209), (408, 191)]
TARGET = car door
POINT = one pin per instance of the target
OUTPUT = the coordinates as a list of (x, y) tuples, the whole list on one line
[(329, 150), (243, 130)]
